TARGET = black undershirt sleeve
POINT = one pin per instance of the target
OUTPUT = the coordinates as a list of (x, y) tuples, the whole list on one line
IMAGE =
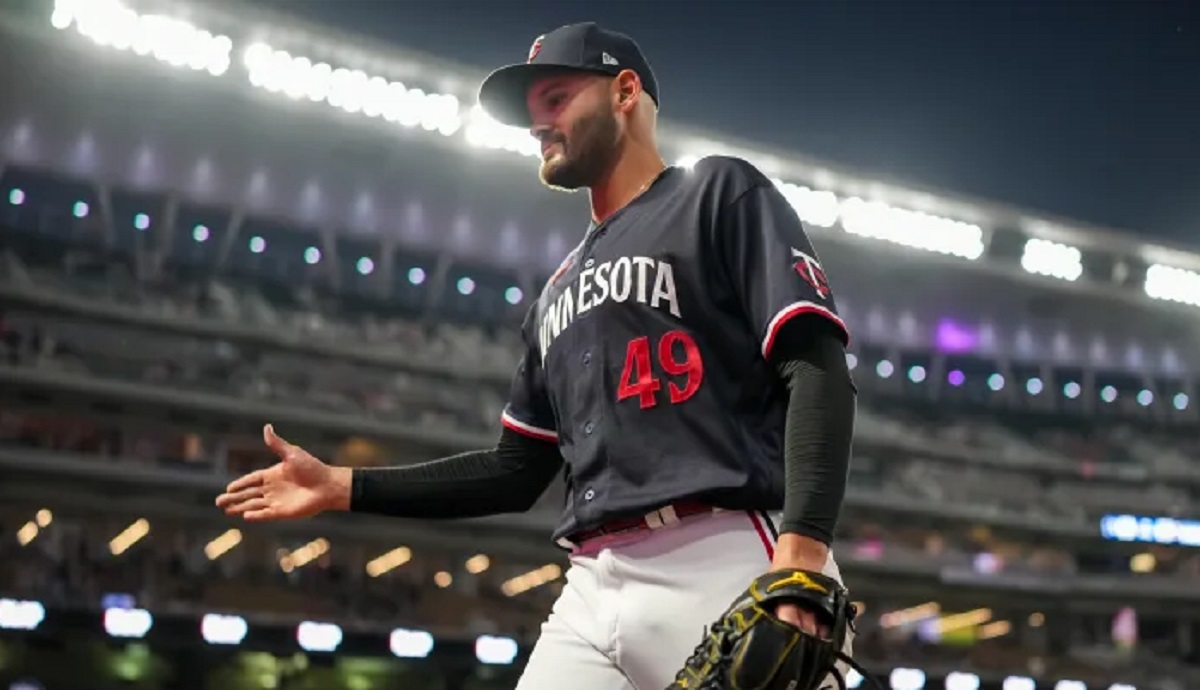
[(506, 479), (811, 358)]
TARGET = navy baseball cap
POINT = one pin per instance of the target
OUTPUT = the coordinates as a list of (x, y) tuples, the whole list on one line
[(568, 49)]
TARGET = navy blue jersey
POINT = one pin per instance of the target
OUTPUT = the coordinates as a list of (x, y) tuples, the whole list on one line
[(647, 351)]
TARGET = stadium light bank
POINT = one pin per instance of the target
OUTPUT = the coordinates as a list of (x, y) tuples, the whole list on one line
[(340, 82)]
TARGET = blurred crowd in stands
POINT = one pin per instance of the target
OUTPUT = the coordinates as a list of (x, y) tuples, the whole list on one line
[(298, 347)]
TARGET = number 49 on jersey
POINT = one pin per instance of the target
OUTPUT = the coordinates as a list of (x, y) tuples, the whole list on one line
[(678, 360)]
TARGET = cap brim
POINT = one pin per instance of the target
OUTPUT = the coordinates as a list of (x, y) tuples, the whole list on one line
[(504, 93)]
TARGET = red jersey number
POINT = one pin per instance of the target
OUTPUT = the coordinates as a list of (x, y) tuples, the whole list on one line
[(678, 356)]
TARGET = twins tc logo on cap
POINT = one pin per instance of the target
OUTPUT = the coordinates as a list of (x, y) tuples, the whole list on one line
[(535, 48)]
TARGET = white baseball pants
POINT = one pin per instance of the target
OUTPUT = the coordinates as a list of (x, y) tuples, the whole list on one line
[(634, 608)]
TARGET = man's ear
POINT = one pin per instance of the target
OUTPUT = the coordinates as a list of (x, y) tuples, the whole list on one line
[(628, 90)]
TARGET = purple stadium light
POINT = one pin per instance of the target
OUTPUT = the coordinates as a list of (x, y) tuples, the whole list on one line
[(956, 378), (952, 337)]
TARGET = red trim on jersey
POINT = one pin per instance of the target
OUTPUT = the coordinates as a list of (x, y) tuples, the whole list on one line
[(796, 309), (763, 535), (528, 429)]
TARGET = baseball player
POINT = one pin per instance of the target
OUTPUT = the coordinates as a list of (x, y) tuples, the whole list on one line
[(685, 371)]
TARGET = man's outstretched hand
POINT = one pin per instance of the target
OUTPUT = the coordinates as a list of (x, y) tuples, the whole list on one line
[(297, 486)]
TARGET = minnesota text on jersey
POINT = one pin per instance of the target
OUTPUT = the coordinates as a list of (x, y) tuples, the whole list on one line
[(640, 278)]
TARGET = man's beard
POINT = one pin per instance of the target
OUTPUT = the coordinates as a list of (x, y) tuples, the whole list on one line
[(587, 157)]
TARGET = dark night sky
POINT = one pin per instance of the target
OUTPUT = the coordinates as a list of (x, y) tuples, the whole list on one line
[(1085, 109)]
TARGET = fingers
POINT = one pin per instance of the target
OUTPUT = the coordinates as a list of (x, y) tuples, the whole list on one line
[(254, 505), (788, 613), (230, 499), (248, 481), (799, 617), (239, 504), (251, 504)]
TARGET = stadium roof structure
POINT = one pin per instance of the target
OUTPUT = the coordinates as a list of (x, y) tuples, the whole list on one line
[(231, 104), (254, 25), (688, 142)]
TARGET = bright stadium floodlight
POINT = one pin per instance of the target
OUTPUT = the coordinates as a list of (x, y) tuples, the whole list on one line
[(389, 561), (1043, 257), (912, 229), (304, 555), (18, 614), (1173, 284), (353, 91), (27, 533), (127, 623), (218, 629), (495, 650), (907, 679), (958, 680), (1018, 683), (410, 644), (313, 636), (484, 132), (169, 40), (814, 207), (1150, 530), (530, 580), (1108, 394), (223, 544), (129, 536)]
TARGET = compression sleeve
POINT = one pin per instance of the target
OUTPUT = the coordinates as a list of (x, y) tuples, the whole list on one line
[(818, 430), (506, 479)]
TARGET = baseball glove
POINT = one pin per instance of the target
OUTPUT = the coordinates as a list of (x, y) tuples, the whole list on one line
[(748, 648)]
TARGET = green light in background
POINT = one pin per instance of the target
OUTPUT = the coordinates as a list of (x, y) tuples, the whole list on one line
[(133, 663)]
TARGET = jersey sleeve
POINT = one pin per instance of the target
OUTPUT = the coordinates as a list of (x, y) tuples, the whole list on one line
[(528, 410), (776, 273)]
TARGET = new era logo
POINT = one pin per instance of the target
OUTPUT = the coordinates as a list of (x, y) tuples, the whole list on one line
[(608, 59)]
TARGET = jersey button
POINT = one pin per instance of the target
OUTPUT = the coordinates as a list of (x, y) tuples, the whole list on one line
[(589, 428), (587, 358), (589, 495)]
